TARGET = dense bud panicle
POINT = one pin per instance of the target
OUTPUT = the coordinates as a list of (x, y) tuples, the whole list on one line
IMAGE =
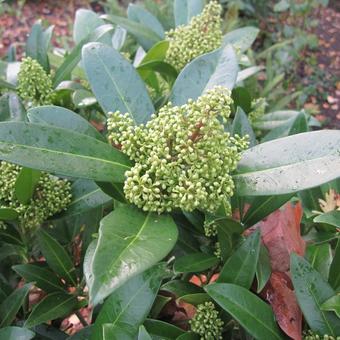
[(202, 35), (183, 156), (206, 322), (34, 84), (52, 195), (313, 336)]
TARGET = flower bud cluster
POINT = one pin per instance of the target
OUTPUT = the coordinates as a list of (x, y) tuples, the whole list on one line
[(203, 34), (34, 84), (258, 107), (313, 336), (51, 195), (206, 322), (210, 228), (183, 156)]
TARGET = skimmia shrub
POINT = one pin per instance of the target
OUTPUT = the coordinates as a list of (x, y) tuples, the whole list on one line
[(142, 204)]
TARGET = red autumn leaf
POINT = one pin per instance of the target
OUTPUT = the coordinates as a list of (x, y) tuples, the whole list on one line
[(280, 233), (279, 293)]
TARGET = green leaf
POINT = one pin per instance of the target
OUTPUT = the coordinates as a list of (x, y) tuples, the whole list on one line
[(11, 305), (263, 268), (334, 272), (180, 288), (189, 336), (241, 98), (160, 330), (83, 98), (72, 60), (129, 305), (86, 21), (16, 333), (320, 257), (167, 71), (38, 43), (25, 184), (61, 151), (196, 262), (60, 117), (43, 278), (332, 304), (275, 119), (185, 10), (332, 218), (8, 214), (289, 164), (219, 67), (51, 307), (250, 311), (143, 334), (312, 291), (292, 126), (240, 268), (118, 38), (156, 52), (241, 39), (195, 299), (142, 16), (56, 257), (262, 206), (129, 242), (242, 127), (144, 35), (115, 82), (11, 108), (248, 72)]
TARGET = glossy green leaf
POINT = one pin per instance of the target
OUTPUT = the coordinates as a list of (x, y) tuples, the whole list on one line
[(145, 36), (196, 262), (71, 61), (241, 39), (8, 214), (56, 257), (180, 288), (240, 268), (219, 67), (141, 15), (38, 43), (129, 305), (129, 242), (195, 299), (185, 10), (167, 71), (7, 250), (262, 206), (250, 311), (115, 82), (61, 151), (11, 305), (160, 330), (293, 126), (312, 291), (332, 304), (242, 127), (263, 268), (43, 278), (86, 21), (143, 334), (241, 98), (289, 164), (320, 257), (25, 184), (60, 117), (334, 272), (156, 52), (158, 305), (51, 307), (332, 218), (16, 333)]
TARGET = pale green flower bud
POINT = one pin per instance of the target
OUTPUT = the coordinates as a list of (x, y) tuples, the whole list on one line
[(34, 84), (202, 35), (310, 335), (258, 107)]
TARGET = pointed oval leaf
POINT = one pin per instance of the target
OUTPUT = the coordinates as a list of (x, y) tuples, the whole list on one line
[(25, 184), (196, 262), (334, 272), (11, 305), (56, 257), (8, 214), (130, 304), (51, 307), (115, 83), (162, 330), (332, 218), (60, 117), (185, 10), (312, 291), (240, 268), (129, 242), (43, 278), (289, 164), (241, 39), (332, 304), (61, 151), (219, 67), (250, 311)]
